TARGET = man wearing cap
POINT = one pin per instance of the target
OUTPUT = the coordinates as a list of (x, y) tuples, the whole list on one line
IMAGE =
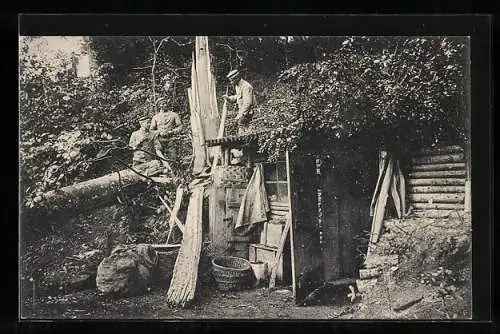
[(245, 99), (145, 144), (166, 124)]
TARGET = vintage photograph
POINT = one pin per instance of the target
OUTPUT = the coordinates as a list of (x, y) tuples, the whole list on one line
[(245, 177)]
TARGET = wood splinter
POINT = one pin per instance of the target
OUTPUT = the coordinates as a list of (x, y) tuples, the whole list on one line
[(408, 304)]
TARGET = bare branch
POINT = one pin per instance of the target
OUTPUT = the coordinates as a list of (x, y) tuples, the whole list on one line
[(181, 44), (225, 45)]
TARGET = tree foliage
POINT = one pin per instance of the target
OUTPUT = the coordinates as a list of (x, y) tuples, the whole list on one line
[(406, 90)]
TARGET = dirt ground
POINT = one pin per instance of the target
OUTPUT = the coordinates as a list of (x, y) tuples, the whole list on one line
[(68, 250), (260, 303), (212, 304)]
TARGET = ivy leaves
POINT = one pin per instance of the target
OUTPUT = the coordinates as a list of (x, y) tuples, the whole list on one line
[(400, 86)]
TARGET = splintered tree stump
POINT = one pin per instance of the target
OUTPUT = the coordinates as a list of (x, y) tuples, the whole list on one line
[(94, 193)]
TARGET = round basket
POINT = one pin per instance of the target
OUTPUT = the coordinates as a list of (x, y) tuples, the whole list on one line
[(231, 273)]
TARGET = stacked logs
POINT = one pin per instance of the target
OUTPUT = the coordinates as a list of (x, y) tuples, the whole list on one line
[(436, 182)]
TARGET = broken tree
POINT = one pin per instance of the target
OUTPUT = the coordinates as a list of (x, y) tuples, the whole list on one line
[(204, 125), (93, 193)]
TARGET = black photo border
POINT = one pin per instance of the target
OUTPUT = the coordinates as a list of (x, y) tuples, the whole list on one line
[(478, 27)]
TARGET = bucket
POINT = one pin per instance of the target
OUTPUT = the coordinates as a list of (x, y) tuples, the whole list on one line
[(259, 269)]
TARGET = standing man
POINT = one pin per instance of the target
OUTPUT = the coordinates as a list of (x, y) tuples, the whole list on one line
[(166, 124), (244, 97), (145, 144)]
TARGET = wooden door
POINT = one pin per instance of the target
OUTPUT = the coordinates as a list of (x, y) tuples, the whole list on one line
[(330, 209), (307, 267), (345, 187)]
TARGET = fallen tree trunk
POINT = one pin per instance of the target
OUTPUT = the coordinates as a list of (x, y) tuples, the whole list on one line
[(91, 194)]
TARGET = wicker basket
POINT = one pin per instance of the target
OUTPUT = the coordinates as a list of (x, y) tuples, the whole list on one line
[(229, 176), (231, 273)]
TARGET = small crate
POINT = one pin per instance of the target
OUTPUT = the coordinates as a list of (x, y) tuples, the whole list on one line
[(266, 254), (271, 233)]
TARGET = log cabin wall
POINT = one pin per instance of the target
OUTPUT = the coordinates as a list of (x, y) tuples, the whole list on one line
[(437, 181)]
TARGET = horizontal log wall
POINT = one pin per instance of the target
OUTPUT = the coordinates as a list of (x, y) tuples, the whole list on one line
[(436, 181)]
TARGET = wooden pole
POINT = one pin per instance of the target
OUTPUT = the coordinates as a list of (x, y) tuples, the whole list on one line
[(468, 205), (290, 216), (279, 253)]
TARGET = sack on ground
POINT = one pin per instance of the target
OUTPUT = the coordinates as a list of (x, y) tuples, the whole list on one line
[(127, 271)]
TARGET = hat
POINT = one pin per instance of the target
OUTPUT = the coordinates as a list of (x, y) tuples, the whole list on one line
[(233, 74), (143, 118)]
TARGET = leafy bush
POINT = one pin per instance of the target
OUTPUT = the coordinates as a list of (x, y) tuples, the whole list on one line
[(409, 91)]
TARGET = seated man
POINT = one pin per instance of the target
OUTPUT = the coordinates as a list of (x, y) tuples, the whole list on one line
[(166, 124), (146, 145)]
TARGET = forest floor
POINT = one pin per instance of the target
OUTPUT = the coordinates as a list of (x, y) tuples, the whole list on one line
[(74, 250)]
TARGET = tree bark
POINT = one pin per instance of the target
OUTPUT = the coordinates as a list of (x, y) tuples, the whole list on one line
[(91, 194)]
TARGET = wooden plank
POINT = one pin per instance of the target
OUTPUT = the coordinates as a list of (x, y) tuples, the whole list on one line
[(291, 238), (436, 189), (442, 158), (437, 174), (402, 187), (219, 154), (279, 212), (183, 284), (440, 150), (433, 213), (381, 202), (226, 156), (438, 206), (266, 254), (434, 167), (436, 182), (162, 179), (394, 189), (403, 306), (217, 213), (279, 208), (382, 163), (179, 194), (276, 205), (331, 197), (342, 281), (307, 261), (279, 253), (468, 198), (437, 198)]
